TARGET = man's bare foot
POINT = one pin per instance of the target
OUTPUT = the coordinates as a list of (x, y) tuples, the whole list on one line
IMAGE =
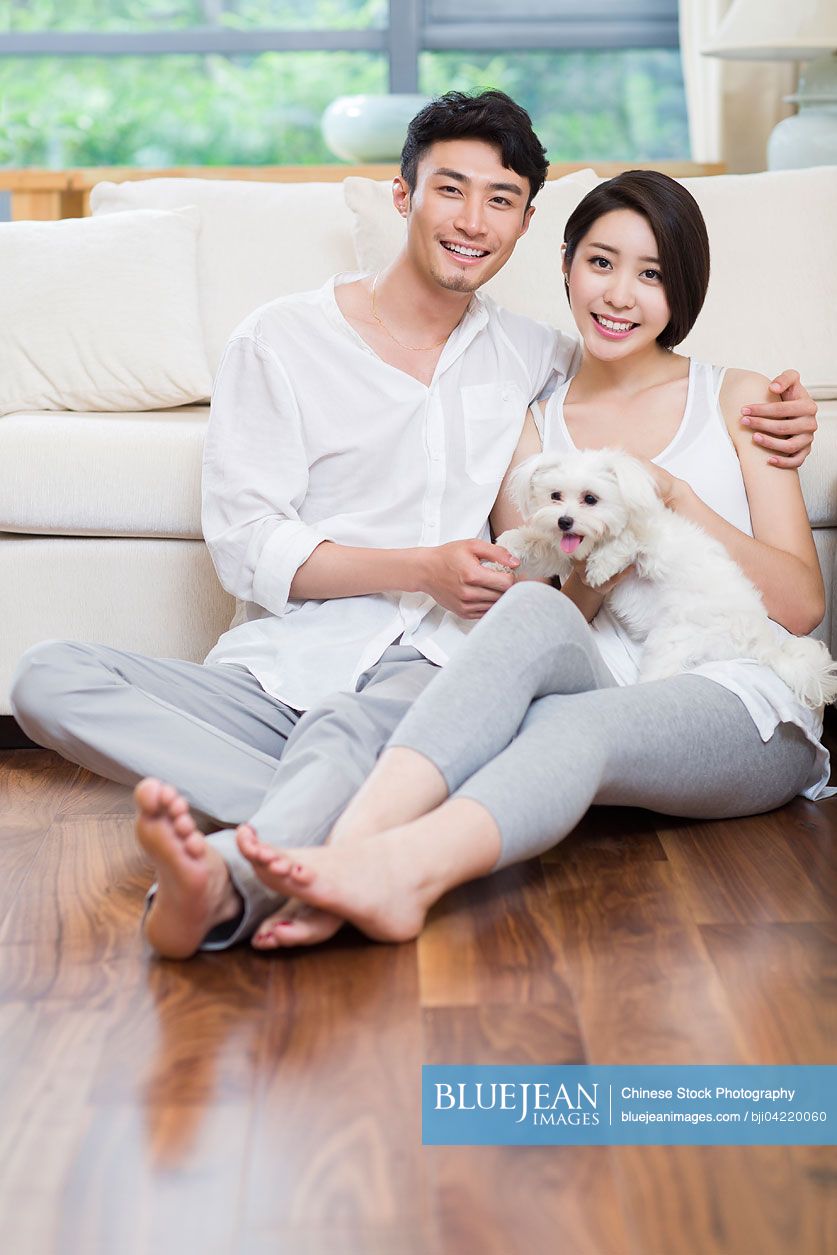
[(294, 924), (369, 883), (194, 889)]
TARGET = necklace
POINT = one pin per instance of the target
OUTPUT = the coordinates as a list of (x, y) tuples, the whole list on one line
[(411, 348)]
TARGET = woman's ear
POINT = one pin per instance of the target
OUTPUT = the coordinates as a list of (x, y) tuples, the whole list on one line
[(565, 270)]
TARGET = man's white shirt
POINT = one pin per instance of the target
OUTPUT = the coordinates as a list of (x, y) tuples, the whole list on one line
[(313, 437)]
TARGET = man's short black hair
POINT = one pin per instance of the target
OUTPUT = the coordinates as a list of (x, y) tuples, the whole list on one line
[(491, 116)]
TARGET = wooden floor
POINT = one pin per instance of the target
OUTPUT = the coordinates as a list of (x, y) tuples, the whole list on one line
[(248, 1104)]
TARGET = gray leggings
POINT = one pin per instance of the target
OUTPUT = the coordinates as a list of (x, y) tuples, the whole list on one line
[(527, 720)]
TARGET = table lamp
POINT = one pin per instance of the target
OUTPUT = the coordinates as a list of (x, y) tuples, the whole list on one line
[(790, 30)]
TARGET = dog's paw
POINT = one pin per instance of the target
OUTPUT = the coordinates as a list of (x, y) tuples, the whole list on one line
[(497, 566)]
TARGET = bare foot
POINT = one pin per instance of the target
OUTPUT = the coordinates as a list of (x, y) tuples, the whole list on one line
[(294, 924), (369, 883), (195, 892)]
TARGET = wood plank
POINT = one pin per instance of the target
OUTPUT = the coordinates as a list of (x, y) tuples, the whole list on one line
[(504, 1033), (568, 1190), (485, 942), (607, 839), (744, 871), (814, 846), (91, 880), (497, 1200), (336, 1136), (33, 786), (780, 981), (724, 1200), (644, 986)]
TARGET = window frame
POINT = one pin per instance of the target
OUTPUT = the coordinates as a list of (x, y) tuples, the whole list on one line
[(414, 26)]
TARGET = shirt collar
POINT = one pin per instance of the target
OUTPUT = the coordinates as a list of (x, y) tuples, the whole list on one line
[(471, 322)]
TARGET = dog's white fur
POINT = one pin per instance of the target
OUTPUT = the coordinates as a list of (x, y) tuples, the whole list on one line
[(686, 600)]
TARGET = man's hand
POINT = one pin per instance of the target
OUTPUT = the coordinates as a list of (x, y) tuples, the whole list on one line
[(454, 576), (786, 426)]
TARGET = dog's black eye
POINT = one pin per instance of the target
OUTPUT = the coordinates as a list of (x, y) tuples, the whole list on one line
[(556, 496), (589, 499)]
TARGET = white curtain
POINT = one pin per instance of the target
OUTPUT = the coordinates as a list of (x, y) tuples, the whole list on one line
[(732, 105)]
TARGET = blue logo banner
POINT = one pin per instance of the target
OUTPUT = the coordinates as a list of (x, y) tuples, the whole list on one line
[(581, 1105)]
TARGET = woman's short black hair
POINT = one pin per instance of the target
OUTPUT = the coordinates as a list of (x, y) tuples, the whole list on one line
[(679, 229), (491, 116)]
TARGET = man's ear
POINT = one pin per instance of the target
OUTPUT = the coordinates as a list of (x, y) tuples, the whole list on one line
[(401, 195), (527, 218)]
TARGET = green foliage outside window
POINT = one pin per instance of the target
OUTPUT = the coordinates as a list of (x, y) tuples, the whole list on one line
[(145, 15), (265, 108)]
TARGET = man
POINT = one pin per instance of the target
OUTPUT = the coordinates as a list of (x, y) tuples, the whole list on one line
[(358, 436)]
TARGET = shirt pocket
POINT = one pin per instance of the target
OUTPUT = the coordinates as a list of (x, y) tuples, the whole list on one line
[(493, 420)]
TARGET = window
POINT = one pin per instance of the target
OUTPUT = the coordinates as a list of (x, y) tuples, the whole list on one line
[(245, 82)]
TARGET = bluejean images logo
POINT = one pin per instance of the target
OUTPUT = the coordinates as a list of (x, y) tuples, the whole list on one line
[(704, 1105), (541, 1101)]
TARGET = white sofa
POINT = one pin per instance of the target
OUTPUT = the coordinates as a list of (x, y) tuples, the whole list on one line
[(100, 530)]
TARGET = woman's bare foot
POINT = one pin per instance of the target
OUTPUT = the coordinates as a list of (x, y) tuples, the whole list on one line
[(370, 883), (294, 924), (403, 786), (194, 888)]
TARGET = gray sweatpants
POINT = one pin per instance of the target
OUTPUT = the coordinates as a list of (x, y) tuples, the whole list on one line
[(235, 753), (527, 720)]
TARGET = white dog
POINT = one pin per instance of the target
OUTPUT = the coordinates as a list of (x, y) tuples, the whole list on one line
[(686, 601)]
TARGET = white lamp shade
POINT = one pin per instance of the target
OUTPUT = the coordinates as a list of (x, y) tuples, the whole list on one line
[(775, 30)]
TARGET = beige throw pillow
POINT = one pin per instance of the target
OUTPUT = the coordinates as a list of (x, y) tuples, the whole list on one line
[(258, 240), (101, 314)]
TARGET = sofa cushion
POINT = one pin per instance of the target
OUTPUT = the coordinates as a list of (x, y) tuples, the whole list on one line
[(772, 300), (101, 315), (160, 598), (103, 474), (818, 473), (529, 283), (139, 474), (259, 240)]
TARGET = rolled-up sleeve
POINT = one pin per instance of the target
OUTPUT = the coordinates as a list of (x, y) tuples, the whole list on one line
[(255, 477)]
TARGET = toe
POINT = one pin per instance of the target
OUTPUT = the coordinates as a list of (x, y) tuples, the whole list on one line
[(195, 844), (301, 875), (265, 939), (279, 864), (247, 840), (178, 807), (147, 794), (184, 825)]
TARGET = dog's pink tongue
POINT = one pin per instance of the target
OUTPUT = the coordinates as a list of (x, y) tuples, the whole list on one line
[(570, 542)]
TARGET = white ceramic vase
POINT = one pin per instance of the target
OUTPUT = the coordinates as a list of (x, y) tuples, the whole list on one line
[(369, 128)]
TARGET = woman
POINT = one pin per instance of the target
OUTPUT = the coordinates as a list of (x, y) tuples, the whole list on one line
[(539, 716)]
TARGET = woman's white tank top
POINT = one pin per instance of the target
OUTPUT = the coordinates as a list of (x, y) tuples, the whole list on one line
[(701, 452)]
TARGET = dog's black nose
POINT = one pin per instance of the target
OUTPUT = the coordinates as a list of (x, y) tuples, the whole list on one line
[(565, 523)]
